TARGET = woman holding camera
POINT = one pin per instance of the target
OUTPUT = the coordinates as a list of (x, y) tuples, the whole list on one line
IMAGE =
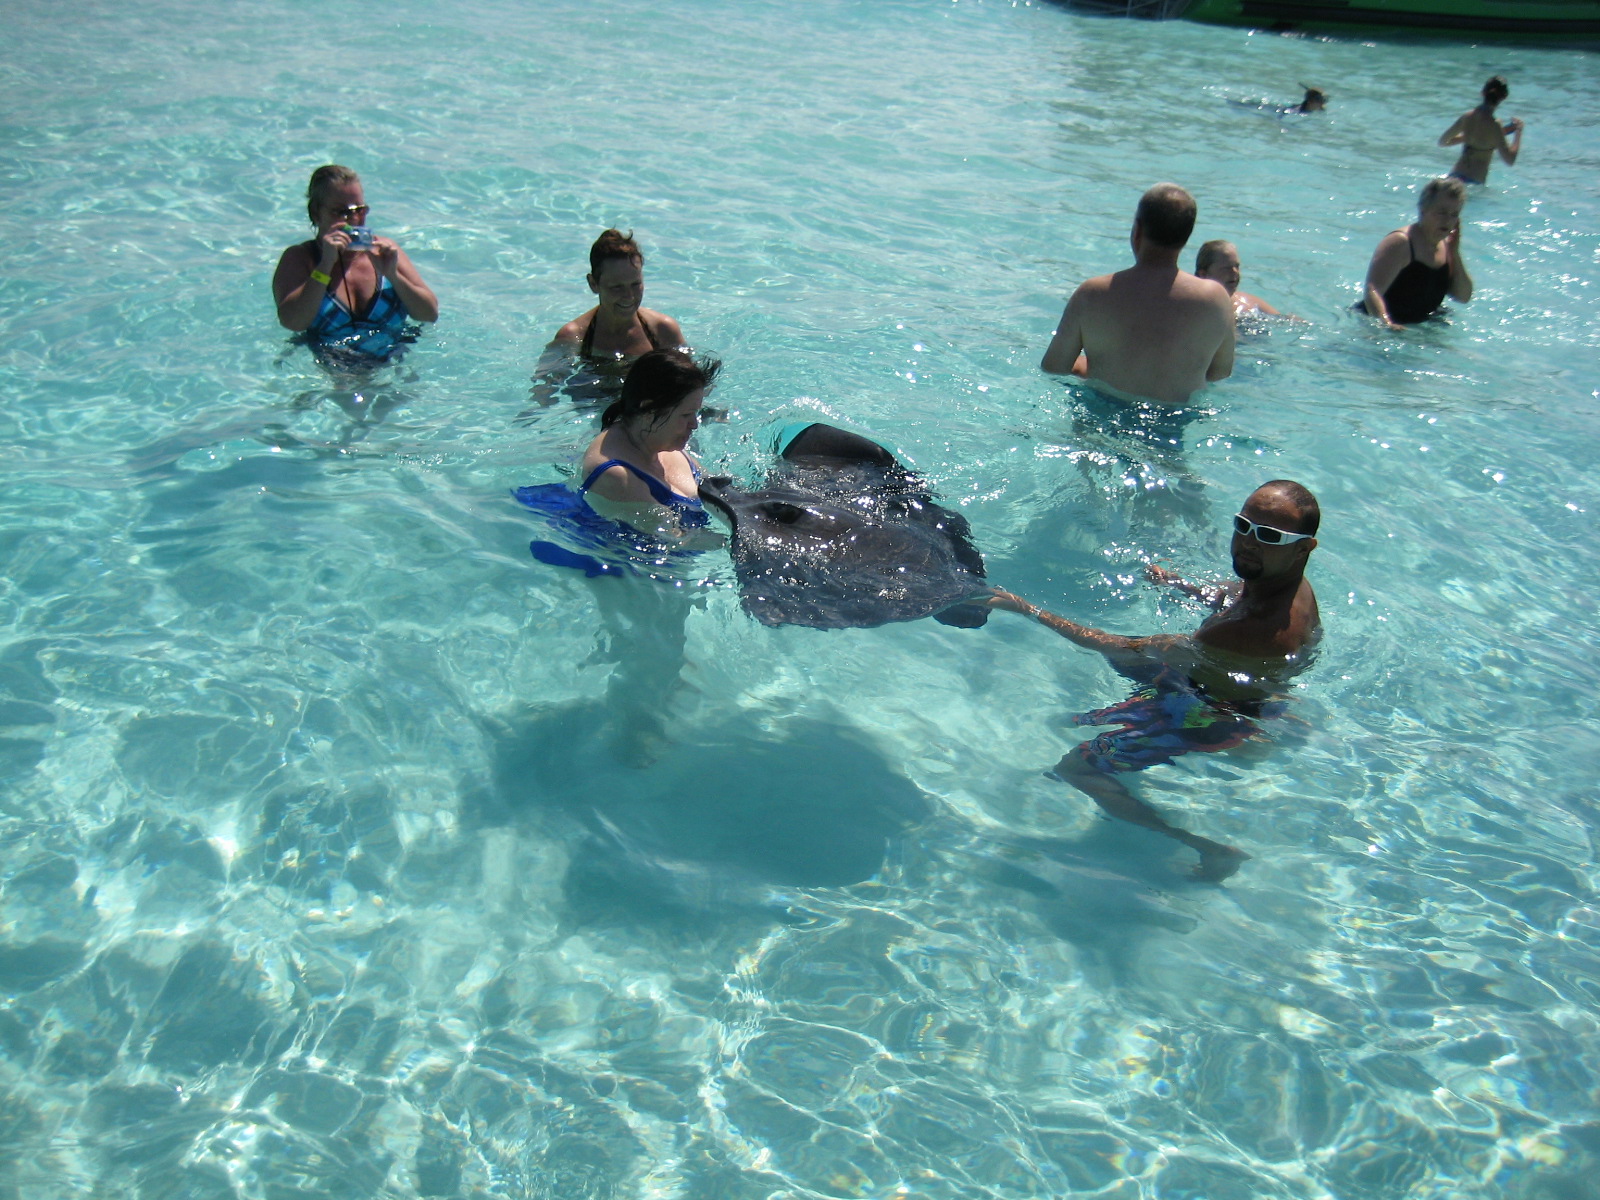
[(346, 288)]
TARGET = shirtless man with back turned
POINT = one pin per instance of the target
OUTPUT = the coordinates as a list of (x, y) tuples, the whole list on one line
[(1152, 330)]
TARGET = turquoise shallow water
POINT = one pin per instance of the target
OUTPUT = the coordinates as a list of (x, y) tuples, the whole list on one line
[(315, 877)]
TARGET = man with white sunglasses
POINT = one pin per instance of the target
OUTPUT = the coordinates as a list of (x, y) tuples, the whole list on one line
[(1204, 691)]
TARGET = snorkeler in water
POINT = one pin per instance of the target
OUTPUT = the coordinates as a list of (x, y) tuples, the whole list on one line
[(1315, 100)]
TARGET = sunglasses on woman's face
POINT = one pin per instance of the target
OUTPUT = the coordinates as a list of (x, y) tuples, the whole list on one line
[(351, 212), (1266, 534)]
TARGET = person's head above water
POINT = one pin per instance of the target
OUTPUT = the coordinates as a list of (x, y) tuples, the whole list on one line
[(1166, 216), (325, 181), (1219, 260), (613, 244), (1443, 189), (656, 385), (1275, 532), (1496, 90), (616, 272), (1315, 100)]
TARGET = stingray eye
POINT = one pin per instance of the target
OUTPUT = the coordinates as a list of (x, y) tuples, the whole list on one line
[(784, 512)]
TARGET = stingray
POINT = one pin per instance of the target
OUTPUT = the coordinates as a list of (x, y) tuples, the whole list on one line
[(842, 536)]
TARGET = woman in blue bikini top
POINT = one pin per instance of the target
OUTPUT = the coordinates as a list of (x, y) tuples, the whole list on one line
[(638, 469)]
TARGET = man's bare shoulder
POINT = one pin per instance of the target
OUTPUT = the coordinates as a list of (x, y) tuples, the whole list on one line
[(1098, 286), (1194, 287), (1269, 632)]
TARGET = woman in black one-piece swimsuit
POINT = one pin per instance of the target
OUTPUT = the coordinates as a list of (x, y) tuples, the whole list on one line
[(1415, 268)]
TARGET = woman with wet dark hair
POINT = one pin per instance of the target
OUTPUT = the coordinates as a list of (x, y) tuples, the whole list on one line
[(639, 469), (619, 326), (1481, 136), (637, 513)]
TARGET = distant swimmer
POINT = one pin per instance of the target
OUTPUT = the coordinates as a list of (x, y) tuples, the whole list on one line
[(1315, 100), (348, 289), (1219, 261), (1415, 268), (619, 326), (1206, 691), (1152, 330), (1481, 135)]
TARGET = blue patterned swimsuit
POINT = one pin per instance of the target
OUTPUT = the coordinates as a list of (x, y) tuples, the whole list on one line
[(373, 337)]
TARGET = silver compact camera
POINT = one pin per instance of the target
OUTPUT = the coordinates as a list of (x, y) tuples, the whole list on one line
[(360, 237)]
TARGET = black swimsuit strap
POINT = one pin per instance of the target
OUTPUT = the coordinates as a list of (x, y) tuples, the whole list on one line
[(586, 347)]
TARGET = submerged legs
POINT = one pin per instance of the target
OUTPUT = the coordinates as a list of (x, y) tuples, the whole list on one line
[(644, 631), (1217, 861)]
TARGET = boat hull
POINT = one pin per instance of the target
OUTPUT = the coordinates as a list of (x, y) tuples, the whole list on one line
[(1517, 19)]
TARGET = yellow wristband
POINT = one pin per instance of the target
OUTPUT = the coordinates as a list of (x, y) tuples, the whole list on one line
[(322, 277)]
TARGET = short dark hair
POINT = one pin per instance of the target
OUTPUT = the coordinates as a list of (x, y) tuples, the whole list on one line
[(1167, 213), (657, 383), (1305, 504), (1209, 253), (613, 243), (1497, 89), (323, 181)]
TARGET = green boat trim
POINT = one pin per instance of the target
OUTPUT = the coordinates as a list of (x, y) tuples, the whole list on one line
[(1520, 19)]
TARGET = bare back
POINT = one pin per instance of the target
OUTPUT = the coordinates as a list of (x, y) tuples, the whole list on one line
[(1150, 331), (1479, 134)]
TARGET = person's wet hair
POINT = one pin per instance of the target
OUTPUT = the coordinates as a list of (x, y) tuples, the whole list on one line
[(1308, 512), (1209, 253), (1496, 90), (323, 181), (656, 384), (1167, 214), (613, 243), (1435, 188)]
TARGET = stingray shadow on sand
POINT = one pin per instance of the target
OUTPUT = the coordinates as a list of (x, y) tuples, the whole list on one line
[(733, 821)]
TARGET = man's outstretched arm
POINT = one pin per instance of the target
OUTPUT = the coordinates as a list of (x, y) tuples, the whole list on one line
[(1112, 645)]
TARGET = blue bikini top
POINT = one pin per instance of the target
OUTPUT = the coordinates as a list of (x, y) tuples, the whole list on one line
[(626, 550), (691, 512)]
